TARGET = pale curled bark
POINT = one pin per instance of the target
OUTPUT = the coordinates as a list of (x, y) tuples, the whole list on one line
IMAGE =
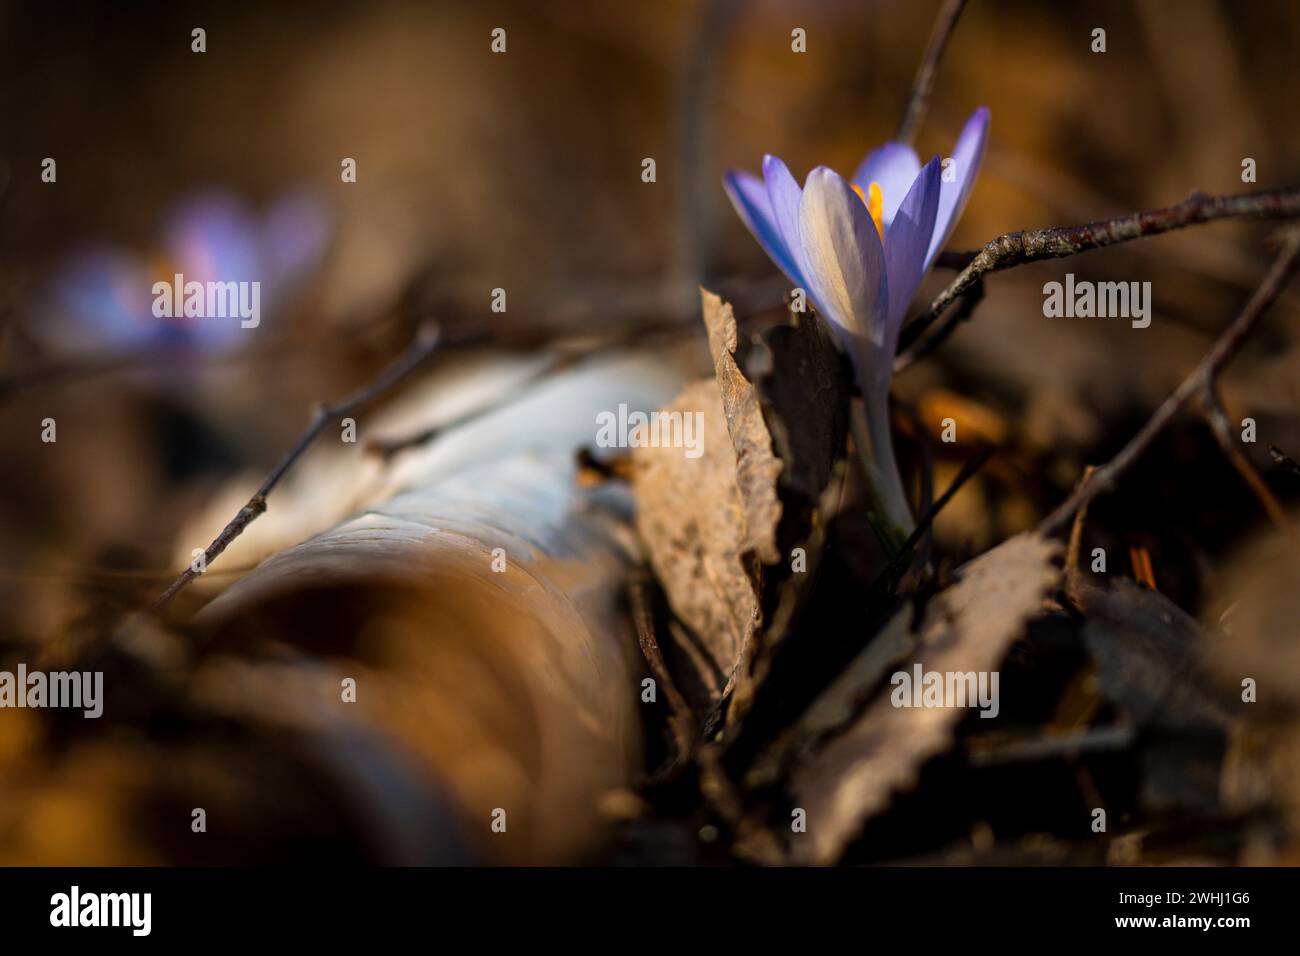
[(478, 601), (325, 415)]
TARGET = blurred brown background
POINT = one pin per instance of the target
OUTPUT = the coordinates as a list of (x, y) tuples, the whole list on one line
[(522, 171)]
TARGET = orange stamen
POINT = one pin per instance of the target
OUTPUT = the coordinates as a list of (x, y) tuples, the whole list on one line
[(874, 200), (1143, 571)]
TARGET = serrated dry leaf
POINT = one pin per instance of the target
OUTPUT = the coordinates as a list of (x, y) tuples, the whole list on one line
[(968, 627)]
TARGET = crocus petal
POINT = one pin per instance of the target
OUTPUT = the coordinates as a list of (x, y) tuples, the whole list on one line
[(784, 194), (749, 195), (295, 237), (906, 246), (845, 266), (894, 166), (100, 302), (967, 156), (213, 237)]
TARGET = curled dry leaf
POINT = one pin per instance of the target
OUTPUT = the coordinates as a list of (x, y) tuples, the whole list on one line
[(691, 516), (718, 529), (802, 383), (968, 627), (707, 521), (757, 468)]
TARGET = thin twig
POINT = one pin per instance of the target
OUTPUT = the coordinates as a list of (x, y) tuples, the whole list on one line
[(93, 575), (928, 69), (1034, 245), (967, 472), (564, 354), (968, 300), (1224, 348), (1283, 460), (680, 722), (325, 415), (164, 359), (1076, 532), (388, 448), (697, 216), (989, 751), (750, 296), (1215, 416)]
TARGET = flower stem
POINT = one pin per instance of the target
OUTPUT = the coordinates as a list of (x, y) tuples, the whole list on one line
[(890, 514)]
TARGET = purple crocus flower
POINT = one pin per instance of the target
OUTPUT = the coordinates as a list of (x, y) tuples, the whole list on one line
[(100, 298), (860, 249)]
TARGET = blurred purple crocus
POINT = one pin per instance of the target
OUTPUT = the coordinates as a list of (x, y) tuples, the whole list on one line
[(859, 249), (100, 298)]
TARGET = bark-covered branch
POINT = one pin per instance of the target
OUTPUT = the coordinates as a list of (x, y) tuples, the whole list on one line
[(1034, 245), (1194, 386), (928, 69)]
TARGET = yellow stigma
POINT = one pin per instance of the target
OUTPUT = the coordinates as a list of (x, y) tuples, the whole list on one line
[(874, 200)]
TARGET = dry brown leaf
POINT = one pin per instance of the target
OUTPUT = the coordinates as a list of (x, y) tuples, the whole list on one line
[(841, 700), (709, 524), (968, 627), (757, 468), (802, 384), (707, 521), (692, 519), (1146, 648)]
